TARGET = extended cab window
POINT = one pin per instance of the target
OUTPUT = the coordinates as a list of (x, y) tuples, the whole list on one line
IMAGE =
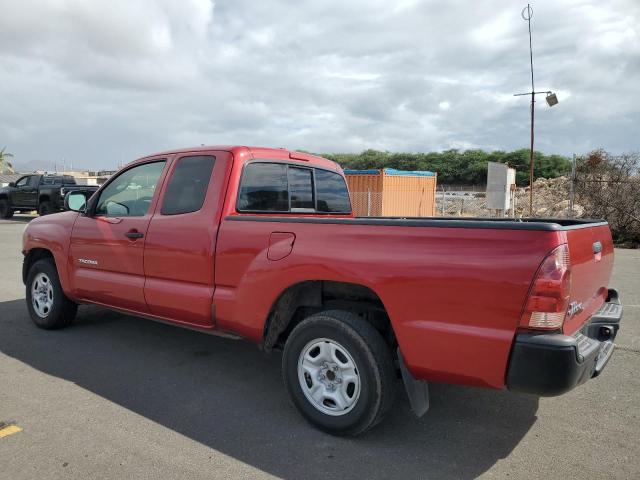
[(130, 193), (301, 188), (264, 188), (331, 192), (280, 187), (188, 185)]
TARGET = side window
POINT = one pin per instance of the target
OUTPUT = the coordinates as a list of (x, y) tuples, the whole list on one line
[(130, 193), (332, 194), (301, 188), (34, 181), (50, 180), (23, 182), (264, 188), (188, 185)]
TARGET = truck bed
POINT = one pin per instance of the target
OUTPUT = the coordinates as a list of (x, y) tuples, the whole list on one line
[(454, 288)]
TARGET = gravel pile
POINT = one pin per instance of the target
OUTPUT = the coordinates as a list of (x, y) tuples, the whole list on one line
[(550, 200)]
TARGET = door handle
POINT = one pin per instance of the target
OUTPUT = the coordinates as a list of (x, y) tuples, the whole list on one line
[(134, 235)]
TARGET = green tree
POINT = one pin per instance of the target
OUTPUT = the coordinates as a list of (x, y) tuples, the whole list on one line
[(458, 167)]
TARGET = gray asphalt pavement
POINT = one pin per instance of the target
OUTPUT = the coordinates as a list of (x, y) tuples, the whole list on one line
[(120, 397)]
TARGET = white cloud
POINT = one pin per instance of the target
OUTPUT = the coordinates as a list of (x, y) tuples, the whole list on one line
[(99, 83)]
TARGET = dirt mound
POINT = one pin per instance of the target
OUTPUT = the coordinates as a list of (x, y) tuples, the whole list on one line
[(550, 199)]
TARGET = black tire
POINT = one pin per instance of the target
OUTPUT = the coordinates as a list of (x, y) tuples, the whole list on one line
[(374, 368), (6, 211), (44, 208), (61, 311)]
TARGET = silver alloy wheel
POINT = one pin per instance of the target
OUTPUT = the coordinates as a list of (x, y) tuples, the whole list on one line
[(42, 295), (329, 377)]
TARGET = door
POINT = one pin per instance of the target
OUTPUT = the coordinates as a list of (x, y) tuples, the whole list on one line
[(179, 252), (26, 193), (107, 244)]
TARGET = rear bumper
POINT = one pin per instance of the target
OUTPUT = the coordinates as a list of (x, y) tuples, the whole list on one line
[(551, 364)]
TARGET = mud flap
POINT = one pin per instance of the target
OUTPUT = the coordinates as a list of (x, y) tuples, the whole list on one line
[(417, 390)]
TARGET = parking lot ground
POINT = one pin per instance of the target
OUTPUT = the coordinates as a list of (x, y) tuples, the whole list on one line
[(119, 397)]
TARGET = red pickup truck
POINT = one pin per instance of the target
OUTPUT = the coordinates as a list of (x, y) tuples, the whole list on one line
[(260, 243)]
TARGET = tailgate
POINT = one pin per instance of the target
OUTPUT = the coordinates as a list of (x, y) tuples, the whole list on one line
[(591, 256)]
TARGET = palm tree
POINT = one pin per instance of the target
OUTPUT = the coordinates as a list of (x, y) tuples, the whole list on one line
[(4, 162)]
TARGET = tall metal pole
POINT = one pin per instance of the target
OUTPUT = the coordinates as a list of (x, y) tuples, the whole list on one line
[(572, 180), (552, 100), (527, 17), (533, 102)]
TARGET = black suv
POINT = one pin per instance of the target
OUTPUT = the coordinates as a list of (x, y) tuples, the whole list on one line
[(44, 193)]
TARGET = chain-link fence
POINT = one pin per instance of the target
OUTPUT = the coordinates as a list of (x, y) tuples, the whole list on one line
[(397, 202), (451, 201), (561, 197), (461, 201), (608, 186), (575, 196), (600, 185), (366, 204)]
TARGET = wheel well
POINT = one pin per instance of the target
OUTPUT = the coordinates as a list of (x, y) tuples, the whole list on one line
[(32, 257), (306, 298), (43, 198)]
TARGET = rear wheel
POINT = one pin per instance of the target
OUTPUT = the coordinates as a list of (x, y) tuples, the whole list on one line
[(5, 210), (48, 306), (44, 209), (339, 372)]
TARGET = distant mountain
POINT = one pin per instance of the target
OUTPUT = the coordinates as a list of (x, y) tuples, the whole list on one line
[(46, 165)]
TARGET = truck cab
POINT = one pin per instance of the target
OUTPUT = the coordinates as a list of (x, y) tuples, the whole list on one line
[(23, 193)]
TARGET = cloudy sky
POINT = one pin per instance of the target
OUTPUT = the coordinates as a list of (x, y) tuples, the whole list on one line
[(102, 82)]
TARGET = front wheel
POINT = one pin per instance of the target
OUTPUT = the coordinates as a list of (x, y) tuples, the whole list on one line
[(339, 372), (48, 306)]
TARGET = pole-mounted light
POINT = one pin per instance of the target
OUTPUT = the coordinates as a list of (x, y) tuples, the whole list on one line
[(551, 99)]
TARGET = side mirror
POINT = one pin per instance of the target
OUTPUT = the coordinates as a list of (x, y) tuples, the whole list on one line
[(116, 209), (75, 201), (12, 184)]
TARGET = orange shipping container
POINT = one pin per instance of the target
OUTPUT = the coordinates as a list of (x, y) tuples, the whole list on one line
[(392, 193)]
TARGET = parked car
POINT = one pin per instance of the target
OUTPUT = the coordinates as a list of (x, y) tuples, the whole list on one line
[(261, 244), (44, 193)]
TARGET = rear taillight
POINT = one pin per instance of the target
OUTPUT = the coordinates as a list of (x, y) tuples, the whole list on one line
[(548, 299)]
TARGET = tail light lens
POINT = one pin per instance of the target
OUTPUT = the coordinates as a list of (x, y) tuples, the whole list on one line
[(548, 299)]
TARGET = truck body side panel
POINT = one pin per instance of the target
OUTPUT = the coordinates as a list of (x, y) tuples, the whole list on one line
[(454, 296), (52, 233)]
